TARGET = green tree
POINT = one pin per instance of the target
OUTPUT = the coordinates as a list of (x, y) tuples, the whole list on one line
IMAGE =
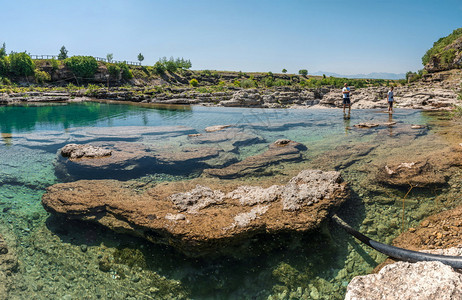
[(62, 53), (3, 51), (82, 66), (284, 71), (21, 64), (140, 57), (303, 72), (126, 73), (159, 68), (109, 57)]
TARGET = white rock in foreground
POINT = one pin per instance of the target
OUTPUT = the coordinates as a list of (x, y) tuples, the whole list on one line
[(403, 280)]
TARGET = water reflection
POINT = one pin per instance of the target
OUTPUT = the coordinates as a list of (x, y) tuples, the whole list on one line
[(22, 118)]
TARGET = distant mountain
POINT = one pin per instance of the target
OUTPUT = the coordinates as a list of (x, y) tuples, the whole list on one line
[(368, 76)]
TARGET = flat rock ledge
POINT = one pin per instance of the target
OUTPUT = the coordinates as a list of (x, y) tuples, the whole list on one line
[(74, 151), (8, 265), (201, 220), (403, 280)]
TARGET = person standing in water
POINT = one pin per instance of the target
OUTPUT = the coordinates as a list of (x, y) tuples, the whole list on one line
[(390, 100), (346, 98)]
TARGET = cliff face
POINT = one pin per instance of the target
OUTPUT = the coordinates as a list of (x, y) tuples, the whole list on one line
[(446, 53)]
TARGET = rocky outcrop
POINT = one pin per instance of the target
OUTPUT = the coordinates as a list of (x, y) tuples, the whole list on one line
[(402, 280), (280, 151), (74, 151), (202, 220), (8, 265)]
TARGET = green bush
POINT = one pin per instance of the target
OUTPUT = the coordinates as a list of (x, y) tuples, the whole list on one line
[(282, 82), (82, 66), (126, 73), (21, 64), (113, 70), (447, 57), (194, 82), (4, 81), (303, 72), (54, 64), (248, 83), (159, 68), (42, 76), (268, 81)]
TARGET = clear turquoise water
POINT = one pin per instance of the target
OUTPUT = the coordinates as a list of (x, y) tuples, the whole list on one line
[(313, 265)]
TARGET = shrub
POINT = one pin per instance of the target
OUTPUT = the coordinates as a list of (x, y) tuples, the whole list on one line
[(21, 64), (248, 83), (194, 82), (54, 64), (236, 83), (268, 82), (447, 57), (126, 73), (159, 68), (113, 70), (303, 72), (42, 76), (82, 66), (5, 81), (281, 82), (284, 71)]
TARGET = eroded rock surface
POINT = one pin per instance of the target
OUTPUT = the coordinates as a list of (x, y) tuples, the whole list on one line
[(8, 265), (402, 280), (277, 152), (201, 220), (84, 151)]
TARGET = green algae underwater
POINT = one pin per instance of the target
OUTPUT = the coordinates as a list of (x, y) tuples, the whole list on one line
[(63, 259)]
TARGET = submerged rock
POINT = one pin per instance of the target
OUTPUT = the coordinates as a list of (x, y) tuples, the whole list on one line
[(202, 220), (420, 171), (216, 128), (403, 280), (278, 152), (128, 160)]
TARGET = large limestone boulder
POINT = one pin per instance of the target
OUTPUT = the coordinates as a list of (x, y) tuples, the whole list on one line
[(402, 280), (197, 219)]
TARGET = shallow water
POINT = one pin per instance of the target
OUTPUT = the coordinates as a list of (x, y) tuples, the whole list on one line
[(62, 260)]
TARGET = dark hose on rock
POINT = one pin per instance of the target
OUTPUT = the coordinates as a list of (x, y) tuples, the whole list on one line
[(399, 253)]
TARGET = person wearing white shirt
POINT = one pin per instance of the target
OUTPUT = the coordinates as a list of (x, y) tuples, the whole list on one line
[(346, 97)]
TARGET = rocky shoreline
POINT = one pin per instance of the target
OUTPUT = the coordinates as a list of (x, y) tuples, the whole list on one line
[(435, 91)]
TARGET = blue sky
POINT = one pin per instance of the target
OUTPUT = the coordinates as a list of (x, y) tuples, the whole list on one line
[(347, 37)]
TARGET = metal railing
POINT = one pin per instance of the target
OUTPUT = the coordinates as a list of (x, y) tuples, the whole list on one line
[(132, 63)]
